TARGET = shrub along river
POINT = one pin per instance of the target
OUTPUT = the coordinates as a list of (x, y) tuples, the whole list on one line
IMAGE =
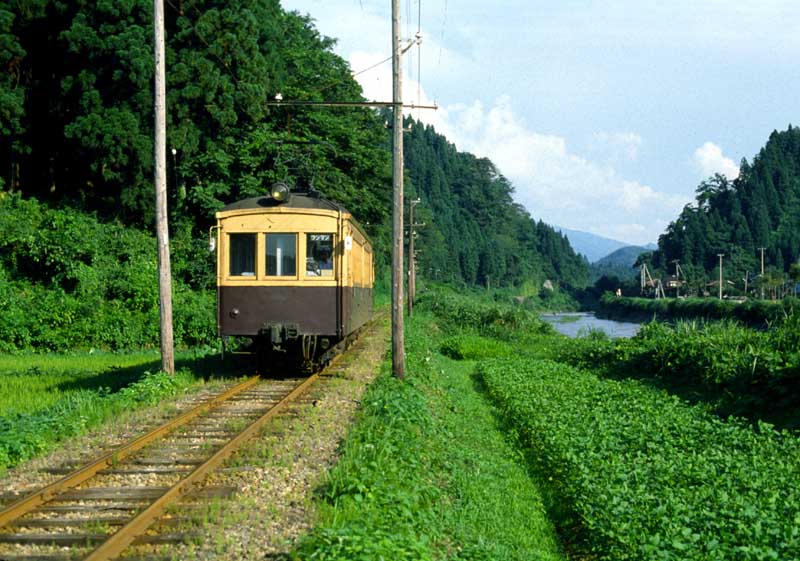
[(578, 324)]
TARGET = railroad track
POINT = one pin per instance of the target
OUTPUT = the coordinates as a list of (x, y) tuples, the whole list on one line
[(97, 511)]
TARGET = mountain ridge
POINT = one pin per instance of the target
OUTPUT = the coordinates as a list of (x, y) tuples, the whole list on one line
[(595, 247)]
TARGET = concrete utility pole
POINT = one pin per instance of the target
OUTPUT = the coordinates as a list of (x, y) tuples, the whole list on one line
[(412, 267), (720, 255), (762, 271), (162, 231), (398, 344)]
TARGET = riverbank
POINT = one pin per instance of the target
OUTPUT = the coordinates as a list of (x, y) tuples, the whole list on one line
[(754, 313)]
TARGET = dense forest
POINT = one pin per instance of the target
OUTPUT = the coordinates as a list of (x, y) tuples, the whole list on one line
[(474, 231), (76, 130), (759, 209)]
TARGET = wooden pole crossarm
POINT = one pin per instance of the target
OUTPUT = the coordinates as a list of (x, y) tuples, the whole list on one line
[(300, 103)]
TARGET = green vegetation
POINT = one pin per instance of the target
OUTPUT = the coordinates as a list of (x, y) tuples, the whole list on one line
[(736, 370), (760, 208), (619, 264), (474, 231), (459, 311), (427, 474), (644, 476), (45, 399), (757, 313), (29, 383), (68, 281), (628, 470), (23, 436), (469, 346), (77, 269)]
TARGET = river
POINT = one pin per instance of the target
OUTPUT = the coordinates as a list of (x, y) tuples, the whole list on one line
[(577, 324)]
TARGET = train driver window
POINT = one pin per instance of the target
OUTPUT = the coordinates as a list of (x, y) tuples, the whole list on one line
[(242, 255), (281, 255), (319, 255)]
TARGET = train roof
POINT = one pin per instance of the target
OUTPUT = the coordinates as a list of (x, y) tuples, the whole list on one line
[(296, 200)]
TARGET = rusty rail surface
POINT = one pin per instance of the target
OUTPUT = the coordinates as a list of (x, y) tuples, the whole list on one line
[(118, 541), (50, 492), (132, 528)]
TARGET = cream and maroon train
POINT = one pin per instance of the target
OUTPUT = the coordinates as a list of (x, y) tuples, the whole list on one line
[(294, 274)]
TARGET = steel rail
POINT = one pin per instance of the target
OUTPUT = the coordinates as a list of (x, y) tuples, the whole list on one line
[(49, 492), (118, 541)]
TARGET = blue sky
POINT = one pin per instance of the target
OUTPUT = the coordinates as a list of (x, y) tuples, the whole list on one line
[(604, 115)]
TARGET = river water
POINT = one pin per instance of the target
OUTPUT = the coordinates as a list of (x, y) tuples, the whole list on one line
[(577, 324)]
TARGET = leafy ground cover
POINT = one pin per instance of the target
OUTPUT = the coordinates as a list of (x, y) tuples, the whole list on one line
[(427, 474), (736, 370), (45, 399), (644, 475)]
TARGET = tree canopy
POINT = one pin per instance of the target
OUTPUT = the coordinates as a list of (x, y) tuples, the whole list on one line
[(760, 208), (76, 129), (474, 231)]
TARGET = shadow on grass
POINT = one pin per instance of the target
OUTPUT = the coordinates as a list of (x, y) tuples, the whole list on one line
[(571, 534), (776, 403), (205, 367)]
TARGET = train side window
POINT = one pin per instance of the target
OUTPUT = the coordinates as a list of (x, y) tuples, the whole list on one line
[(242, 255), (281, 255), (319, 255)]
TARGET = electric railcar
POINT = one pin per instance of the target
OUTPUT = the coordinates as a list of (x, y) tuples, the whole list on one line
[(294, 274)]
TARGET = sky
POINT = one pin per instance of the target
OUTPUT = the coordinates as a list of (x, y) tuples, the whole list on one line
[(604, 115)]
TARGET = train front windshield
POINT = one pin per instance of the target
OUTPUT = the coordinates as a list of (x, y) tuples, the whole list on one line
[(319, 255)]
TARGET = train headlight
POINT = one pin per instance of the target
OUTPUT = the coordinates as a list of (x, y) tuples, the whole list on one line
[(279, 192)]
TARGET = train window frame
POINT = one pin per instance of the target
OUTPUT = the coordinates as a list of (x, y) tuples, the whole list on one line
[(318, 276), (251, 275), (293, 275)]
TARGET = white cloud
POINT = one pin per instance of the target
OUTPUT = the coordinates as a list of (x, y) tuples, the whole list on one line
[(708, 160), (554, 184), (617, 146)]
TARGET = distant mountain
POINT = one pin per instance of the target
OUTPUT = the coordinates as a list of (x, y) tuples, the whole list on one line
[(618, 263), (625, 256), (592, 246)]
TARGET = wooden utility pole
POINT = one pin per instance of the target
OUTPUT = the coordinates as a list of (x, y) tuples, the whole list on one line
[(677, 279), (398, 344), (412, 267), (162, 231), (720, 255)]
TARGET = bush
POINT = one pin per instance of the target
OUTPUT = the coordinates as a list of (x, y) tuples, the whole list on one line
[(474, 347), (458, 311), (741, 371), (756, 313), (69, 281)]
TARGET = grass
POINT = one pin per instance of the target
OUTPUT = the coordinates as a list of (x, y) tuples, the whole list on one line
[(428, 474), (30, 383), (45, 399)]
